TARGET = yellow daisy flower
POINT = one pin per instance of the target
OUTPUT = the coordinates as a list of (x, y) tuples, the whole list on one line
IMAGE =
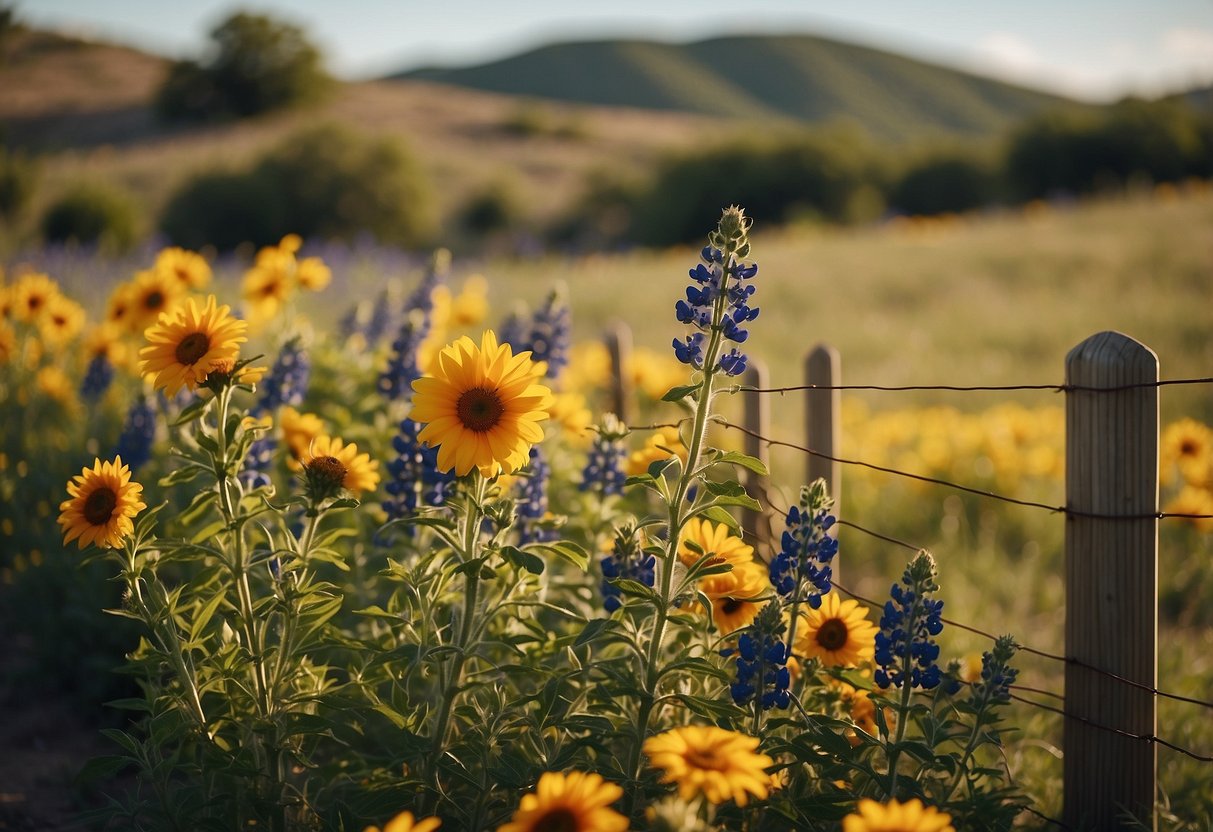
[(188, 342), (736, 595), (404, 822), (655, 449), (569, 411), (298, 431), (106, 340), (330, 464), (103, 502), (291, 243), (706, 760), (1188, 445), (61, 320), (589, 366), (481, 406), (312, 274), (893, 816), (30, 296), (189, 268), (151, 293), (573, 802), (838, 633), (471, 305), (120, 308), (268, 285), (8, 343), (654, 373), (715, 540), (54, 384)]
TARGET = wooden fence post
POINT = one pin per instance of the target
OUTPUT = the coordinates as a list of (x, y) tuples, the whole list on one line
[(1111, 582), (758, 420), (618, 339), (823, 423)]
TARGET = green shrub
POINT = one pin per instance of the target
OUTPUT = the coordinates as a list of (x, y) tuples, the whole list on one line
[(944, 183), (92, 213), (322, 182), (497, 207), (259, 64), (18, 181)]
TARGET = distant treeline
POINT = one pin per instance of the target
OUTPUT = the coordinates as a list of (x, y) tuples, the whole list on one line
[(837, 176)]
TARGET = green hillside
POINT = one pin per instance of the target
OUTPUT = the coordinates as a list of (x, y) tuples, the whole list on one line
[(795, 77)]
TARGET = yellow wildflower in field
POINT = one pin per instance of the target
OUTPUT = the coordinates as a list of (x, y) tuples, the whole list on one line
[(298, 431), (30, 296), (894, 816), (481, 406), (736, 596), (120, 307), (54, 384), (404, 822), (103, 500), (838, 633), (471, 306), (1193, 500), (330, 464), (151, 294), (61, 320), (576, 801), (189, 268), (570, 414), (654, 373), (589, 367), (269, 284), (1187, 445), (8, 342), (657, 447), (719, 764), (105, 339), (313, 274), (188, 342), (715, 540)]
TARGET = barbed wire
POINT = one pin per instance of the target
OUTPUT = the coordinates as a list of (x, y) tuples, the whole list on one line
[(1070, 512), (1128, 734), (970, 388)]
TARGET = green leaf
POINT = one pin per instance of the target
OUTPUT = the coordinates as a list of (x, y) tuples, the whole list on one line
[(520, 559), (710, 708), (718, 514), (186, 473), (208, 531), (746, 461), (392, 714), (675, 394), (204, 616), (192, 412), (592, 629), (565, 550)]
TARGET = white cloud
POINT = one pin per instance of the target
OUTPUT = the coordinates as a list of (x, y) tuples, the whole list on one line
[(1189, 45), (1010, 53)]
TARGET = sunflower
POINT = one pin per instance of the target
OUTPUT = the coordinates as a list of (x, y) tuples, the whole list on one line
[(330, 465), (8, 343), (150, 294), (120, 307), (570, 413), (715, 540), (54, 384), (312, 274), (105, 340), (654, 373), (268, 284), (589, 366), (573, 802), (719, 764), (187, 342), (299, 430), (657, 448), (61, 320), (1193, 500), (1188, 445), (103, 501), (893, 816), (404, 822), (471, 305), (736, 596), (481, 406), (30, 296), (838, 633), (189, 268)]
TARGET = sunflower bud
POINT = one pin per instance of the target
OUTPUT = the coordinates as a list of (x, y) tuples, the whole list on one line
[(324, 477)]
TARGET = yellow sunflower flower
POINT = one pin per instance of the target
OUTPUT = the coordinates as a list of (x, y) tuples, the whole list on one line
[(30, 296), (736, 595), (573, 802), (569, 411), (404, 822), (330, 465), (269, 284), (838, 633), (312, 274), (54, 384), (120, 307), (8, 343), (706, 760), (471, 305), (103, 502), (1187, 445), (481, 406), (654, 373), (715, 540), (298, 431), (61, 320), (589, 366), (151, 294), (655, 449), (188, 342), (893, 816), (189, 268), (105, 340)]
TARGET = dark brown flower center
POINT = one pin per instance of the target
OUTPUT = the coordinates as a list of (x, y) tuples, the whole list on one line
[(35, 301), (559, 819), (154, 300), (479, 409), (1188, 447), (192, 347), (832, 635), (731, 605), (327, 470), (704, 759), (99, 506)]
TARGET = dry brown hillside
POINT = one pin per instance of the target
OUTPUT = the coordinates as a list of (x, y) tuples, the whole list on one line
[(87, 105)]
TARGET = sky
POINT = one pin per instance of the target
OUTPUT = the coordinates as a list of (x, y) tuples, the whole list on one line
[(1097, 50)]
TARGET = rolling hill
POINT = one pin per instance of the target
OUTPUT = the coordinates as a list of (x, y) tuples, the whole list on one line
[(800, 78)]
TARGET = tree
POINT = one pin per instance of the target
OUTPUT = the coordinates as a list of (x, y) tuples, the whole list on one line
[(257, 64)]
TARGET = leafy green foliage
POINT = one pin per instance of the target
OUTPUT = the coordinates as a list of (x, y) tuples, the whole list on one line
[(92, 213)]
